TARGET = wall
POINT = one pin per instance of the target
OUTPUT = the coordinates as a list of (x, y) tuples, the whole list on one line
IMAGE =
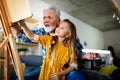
[(112, 38), (86, 33)]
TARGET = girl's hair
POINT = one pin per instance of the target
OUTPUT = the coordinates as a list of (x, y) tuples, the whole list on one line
[(71, 41), (51, 7)]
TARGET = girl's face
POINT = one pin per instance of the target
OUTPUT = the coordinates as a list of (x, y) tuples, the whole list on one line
[(63, 30)]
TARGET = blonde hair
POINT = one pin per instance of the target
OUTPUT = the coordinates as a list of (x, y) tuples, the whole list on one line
[(70, 42)]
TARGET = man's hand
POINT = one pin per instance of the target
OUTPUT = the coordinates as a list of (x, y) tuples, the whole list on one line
[(89, 56)]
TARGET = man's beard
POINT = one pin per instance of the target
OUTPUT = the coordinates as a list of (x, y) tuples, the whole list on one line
[(49, 29)]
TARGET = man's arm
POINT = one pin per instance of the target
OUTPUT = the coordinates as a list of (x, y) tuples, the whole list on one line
[(82, 55), (79, 47), (20, 35)]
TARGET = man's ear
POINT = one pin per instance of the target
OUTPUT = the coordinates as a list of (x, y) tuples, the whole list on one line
[(59, 21)]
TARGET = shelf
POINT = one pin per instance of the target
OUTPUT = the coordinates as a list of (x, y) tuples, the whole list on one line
[(22, 43), (29, 45)]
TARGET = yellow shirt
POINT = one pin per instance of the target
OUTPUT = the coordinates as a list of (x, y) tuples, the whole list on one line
[(61, 57)]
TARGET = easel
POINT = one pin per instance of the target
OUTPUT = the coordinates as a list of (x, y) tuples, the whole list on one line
[(9, 45)]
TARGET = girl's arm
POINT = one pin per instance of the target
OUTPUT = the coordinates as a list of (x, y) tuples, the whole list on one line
[(26, 30), (66, 71), (57, 75)]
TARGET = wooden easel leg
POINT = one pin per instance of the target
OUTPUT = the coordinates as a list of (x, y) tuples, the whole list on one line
[(10, 47), (7, 64)]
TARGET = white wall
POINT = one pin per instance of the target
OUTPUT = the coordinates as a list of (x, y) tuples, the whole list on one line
[(85, 32), (112, 38)]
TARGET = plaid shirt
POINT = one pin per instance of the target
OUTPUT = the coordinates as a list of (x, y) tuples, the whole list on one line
[(41, 31)]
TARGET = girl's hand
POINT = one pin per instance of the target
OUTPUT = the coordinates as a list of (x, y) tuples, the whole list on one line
[(15, 29), (22, 22), (55, 76)]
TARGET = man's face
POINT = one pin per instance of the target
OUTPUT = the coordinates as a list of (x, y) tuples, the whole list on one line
[(50, 20)]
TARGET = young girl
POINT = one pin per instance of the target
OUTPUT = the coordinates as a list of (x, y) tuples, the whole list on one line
[(61, 57)]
